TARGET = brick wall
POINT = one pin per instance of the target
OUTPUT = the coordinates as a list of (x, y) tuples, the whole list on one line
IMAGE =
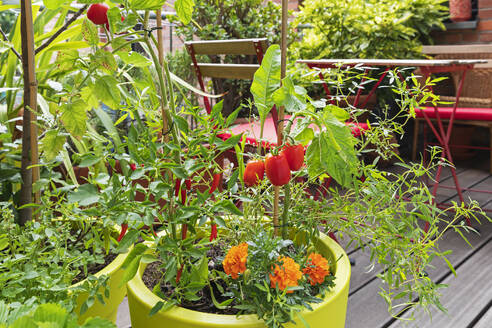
[(481, 34)]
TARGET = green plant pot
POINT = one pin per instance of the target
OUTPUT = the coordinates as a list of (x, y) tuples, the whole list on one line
[(328, 314), (108, 310)]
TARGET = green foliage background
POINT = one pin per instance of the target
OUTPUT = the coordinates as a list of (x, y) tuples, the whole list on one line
[(367, 28)]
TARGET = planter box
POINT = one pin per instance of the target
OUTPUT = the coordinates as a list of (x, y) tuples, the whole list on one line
[(116, 294), (328, 314)]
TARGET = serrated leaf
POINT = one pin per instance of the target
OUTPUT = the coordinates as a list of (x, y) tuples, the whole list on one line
[(146, 4), (51, 313), (106, 60), (89, 32), (106, 90), (51, 144), (337, 143), (98, 323), (74, 117), (184, 10), (119, 23)]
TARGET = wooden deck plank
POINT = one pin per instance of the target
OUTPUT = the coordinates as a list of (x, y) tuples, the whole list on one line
[(367, 309), (363, 271), (466, 296), (480, 197), (466, 179), (485, 321)]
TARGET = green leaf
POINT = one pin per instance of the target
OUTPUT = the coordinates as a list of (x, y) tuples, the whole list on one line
[(337, 144), (146, 4), (129, 239), (156, 308), (89, 32), (105, 60), (131, 270), (232, 117), (266, 81), (228, 206), (74, 117), (450, 266), (218, 305), (109, 126), (24, 322), (53, 4), (4, 308), (89, 160), (341, 114), (106, 89), (86, 194), (229, 143), (184, 10), (133, 58), (98, 323), (289, 97), (52, 143), (120, 26), (51, 313)]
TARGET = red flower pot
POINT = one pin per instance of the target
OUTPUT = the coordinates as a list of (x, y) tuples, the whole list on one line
[(460, 10)]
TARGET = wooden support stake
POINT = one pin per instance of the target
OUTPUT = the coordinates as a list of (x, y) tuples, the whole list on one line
[(29, 129), (280, 129), (160, 50)]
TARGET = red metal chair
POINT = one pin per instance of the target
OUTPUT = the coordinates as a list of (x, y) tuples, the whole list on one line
[(474, 105)]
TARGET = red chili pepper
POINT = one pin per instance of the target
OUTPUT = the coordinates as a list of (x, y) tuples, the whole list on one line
[(178, 275), (133, 166), (124, 228), (183, 195), (188, 184), (213, 231), (215, 182), (176, 187)]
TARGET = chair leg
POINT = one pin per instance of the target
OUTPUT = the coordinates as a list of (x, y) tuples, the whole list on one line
[(415, 139), (490, 149)]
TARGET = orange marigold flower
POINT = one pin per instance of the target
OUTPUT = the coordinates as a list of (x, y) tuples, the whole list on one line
[(317, 269), (235, 260), (286, 275)]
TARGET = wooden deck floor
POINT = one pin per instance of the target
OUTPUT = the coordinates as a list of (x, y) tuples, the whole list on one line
[(468, 298), (469, 295)]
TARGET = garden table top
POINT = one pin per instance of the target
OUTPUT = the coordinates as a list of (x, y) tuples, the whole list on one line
[(328, 63)]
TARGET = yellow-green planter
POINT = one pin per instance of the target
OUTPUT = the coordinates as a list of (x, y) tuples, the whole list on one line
[(108, 310), (328, 314)]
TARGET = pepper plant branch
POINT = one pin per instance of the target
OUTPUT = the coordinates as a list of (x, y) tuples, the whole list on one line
[(61, 29), (5, 38)]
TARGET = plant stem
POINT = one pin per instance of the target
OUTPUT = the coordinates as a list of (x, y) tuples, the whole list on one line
[(285, 214), (61, 29), (5, 38)]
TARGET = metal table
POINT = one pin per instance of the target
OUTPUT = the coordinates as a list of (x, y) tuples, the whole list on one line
[(427, 68)]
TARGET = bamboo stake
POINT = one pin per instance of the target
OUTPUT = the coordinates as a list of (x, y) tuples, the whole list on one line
[(29, 128), (280, 130), (160, 50)]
